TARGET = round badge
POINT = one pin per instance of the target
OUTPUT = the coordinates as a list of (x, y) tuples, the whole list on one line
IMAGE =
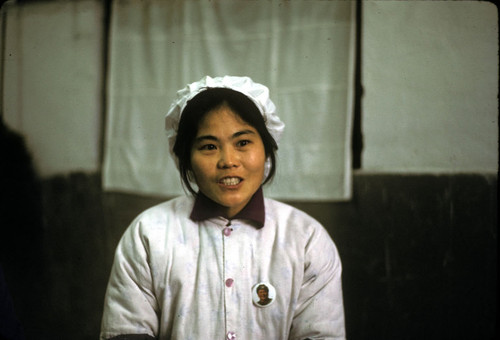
[(263, 294)]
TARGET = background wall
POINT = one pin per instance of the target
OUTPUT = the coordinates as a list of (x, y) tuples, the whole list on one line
[(430, 75), (418, 240), (52, 83), (429, 72)]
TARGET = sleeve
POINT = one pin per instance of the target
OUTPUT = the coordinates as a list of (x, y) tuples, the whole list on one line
[(130, 305), (320, 310)]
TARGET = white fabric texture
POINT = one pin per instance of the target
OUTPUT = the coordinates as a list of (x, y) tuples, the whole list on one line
[(168, 278), (302, 51)]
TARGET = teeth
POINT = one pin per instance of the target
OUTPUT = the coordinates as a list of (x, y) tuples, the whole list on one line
[(230, 181)]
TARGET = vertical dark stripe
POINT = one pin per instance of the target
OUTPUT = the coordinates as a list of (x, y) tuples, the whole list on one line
[(105, 63), (357, 133), (3, 37)]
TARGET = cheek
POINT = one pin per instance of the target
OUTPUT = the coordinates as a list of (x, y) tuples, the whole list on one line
[(257, 160), (199, 168)]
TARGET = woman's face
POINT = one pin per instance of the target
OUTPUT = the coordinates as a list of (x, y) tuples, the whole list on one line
[(227, 159)]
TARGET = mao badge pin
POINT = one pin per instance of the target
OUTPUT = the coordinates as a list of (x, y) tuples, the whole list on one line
[(263, 294)]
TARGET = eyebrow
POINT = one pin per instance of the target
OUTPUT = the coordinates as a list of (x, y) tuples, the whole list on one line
[(235, 135)]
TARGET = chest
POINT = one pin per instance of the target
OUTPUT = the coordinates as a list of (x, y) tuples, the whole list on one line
[(207, 259)]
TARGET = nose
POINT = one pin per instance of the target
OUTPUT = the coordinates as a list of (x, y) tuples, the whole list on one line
[(228, 159)]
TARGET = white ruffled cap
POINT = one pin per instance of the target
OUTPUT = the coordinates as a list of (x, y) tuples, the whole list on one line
[(258, 93)]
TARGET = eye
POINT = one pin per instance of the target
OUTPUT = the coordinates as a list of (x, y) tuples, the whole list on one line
[(207, 147), (243, 142)]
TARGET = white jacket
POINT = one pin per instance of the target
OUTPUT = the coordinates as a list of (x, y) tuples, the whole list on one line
[(169, 277)]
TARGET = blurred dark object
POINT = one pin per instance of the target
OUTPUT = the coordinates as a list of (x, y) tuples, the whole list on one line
[(10, 327), (21, 225), (20, 200)]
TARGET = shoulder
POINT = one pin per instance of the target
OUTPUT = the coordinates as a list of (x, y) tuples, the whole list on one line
[(305, 232), (162, 216), (282, 213), (179, 207), (293, 222), (298, 227), (153, 226)]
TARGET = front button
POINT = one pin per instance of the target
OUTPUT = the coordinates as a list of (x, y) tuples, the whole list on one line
[(231, 335), (227, 231), (229, 283)]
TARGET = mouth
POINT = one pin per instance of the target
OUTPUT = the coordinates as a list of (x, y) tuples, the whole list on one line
[(230, 181)]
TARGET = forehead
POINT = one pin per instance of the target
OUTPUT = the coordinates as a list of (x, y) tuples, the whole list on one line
[(222, 118)]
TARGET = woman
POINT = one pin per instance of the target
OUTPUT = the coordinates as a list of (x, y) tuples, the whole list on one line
[(190, 268)]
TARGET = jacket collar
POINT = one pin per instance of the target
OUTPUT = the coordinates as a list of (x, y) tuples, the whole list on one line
[(204, 208)]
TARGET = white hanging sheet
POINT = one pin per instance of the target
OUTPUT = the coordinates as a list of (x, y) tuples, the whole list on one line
[(52, 76), (301, 50)]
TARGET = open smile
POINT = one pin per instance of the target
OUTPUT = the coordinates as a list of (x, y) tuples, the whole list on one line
[(230, 181)]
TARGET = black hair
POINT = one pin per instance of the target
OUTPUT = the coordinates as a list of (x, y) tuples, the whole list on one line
[(199, 106), (262, 287)]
